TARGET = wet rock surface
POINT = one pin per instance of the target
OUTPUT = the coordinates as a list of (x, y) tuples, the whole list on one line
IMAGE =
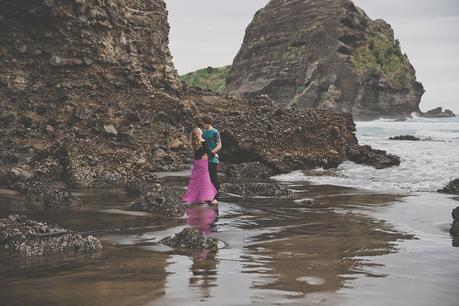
[(256, 189), (249, 170), (369, 156), (405, 137), (326, 55), (452, 187), (160, 200), (23, 237), (438, 113), (190, 239)]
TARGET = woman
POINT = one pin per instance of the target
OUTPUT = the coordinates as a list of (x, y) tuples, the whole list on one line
[(200, 188)]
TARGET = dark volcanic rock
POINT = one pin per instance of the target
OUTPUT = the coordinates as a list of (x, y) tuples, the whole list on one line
[(325, 54), (161, 200), (250, 170), (24, 237), (438, 113), (452, 187), (405, 137), (376, 158), (190, 239), (256, 189)]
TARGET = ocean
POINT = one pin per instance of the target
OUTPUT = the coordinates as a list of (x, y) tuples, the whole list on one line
[(426, 165)]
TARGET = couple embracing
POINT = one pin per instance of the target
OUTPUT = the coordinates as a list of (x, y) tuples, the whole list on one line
[(203, 185)]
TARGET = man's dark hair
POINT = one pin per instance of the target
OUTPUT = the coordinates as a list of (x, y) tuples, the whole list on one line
[(207, 120)]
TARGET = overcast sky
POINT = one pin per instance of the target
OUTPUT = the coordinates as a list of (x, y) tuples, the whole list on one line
[(210, 32)]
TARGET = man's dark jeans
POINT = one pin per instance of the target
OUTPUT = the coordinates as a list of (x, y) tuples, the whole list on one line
[(214, 177)]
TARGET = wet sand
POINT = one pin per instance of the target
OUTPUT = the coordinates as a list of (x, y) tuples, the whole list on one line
[(348, 247)]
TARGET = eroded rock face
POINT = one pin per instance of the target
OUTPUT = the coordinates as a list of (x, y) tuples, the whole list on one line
[(90, 90), (325, 54), (256, 189), (23, 237), (190, 239)]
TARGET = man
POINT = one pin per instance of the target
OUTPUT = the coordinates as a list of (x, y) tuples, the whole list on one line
[(214, 142)]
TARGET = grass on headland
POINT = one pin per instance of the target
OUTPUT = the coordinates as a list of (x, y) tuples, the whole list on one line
[(208, 78), (383, 56)]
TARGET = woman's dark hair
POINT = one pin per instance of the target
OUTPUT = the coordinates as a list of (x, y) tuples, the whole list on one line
[(207, 120)]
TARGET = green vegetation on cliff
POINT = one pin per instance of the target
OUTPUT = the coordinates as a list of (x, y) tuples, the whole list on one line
[(209, 78), (383, 56)]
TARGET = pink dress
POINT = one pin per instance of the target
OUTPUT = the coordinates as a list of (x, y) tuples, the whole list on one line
[(200, 188)]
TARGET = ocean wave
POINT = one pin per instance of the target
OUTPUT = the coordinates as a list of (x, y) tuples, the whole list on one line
[(425, 165)]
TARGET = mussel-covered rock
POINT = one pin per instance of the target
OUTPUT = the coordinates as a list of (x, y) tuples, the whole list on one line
[(24, 237), (250, 170), (190, 239), (161, 200), (256, 189)]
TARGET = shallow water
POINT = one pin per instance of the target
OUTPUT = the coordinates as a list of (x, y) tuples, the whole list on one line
[(348, 248)]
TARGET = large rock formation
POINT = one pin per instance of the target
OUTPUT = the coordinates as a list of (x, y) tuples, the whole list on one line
[(88, 87), (325, 54)]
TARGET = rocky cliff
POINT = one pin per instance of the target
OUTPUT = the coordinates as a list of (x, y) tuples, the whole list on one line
[(325, 54), (89, 92)]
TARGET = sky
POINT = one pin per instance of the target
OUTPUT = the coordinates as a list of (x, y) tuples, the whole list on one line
[(210, 32)]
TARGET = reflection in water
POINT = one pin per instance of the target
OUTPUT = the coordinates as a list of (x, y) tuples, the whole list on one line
[(202, 217), (277, 252)]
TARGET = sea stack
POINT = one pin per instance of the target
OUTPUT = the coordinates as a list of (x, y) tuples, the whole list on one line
[(325, 54)]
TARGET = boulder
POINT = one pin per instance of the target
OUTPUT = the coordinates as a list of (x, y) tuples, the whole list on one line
[(190, 239), (23, 237), (369, 156)]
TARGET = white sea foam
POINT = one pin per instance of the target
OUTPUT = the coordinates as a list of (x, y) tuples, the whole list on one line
[(426, 165)]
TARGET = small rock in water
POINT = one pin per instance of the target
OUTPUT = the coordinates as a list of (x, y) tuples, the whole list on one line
[(452, 187), (405, 137), (368, 156), (190, 239)]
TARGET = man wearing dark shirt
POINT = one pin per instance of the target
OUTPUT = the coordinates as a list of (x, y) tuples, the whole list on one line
[(214, 143)]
